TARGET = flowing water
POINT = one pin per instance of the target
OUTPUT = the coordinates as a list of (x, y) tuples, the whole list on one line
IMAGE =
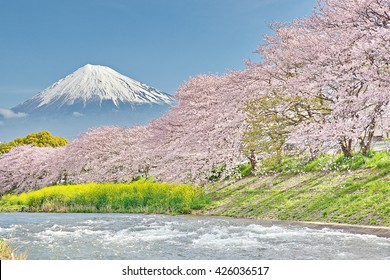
[(131, 236)]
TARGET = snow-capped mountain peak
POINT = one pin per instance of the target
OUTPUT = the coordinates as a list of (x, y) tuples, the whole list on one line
[(94, 84)]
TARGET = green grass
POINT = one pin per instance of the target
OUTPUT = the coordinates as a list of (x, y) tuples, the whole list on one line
[(330, 188), (135, 197), (328, 162), (360, 196)]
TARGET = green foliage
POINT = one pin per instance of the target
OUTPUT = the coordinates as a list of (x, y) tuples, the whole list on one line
[(137, 197), (39, 139), (140, 178), (378, 160), (343, 163), (240, 171), (271, 118), (268, 129), (326, 162), (320, 163), (216, 173), (293, 165), (245, 169)]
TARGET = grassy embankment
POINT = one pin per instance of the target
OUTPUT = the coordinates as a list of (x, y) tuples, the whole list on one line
[(329, 189), (6, 253), (135, 197)]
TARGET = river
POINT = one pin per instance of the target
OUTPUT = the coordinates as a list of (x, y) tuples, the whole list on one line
[(133, 236)]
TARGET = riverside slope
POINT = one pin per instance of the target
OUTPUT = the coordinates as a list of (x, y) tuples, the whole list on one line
[(359, 197)]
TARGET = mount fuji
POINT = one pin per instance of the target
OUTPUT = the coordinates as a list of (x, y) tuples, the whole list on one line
[(91, 96), (93, 88)]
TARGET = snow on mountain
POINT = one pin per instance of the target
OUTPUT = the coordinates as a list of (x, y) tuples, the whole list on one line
[(93, 86)]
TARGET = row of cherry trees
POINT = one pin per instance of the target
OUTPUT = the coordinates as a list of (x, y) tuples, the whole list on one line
[(323, 81), (201, 132), (332, 71)]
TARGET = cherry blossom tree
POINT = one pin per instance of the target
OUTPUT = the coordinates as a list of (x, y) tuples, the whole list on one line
[(336, 64), (99, 155), (202, 132), (105, 154), (358, 74), (26, 168)]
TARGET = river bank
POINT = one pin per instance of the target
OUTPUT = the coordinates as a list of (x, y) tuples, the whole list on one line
[(360, 197)]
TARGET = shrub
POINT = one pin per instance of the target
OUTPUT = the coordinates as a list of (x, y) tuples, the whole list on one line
[(245, 169), (39, 139), (216, 173)]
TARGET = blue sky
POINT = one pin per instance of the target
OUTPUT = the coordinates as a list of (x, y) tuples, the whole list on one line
[(158, 42)]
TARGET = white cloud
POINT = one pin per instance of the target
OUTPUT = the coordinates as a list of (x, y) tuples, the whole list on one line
[(9, 114), (77, 114), (1, 123)]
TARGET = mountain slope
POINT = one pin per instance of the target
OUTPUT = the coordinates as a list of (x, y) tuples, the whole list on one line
[(91, 88), (90, 97)]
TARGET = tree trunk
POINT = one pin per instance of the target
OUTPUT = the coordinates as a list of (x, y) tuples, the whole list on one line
[(253, 161), (366, 145), (366, 140), (346, 147)]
